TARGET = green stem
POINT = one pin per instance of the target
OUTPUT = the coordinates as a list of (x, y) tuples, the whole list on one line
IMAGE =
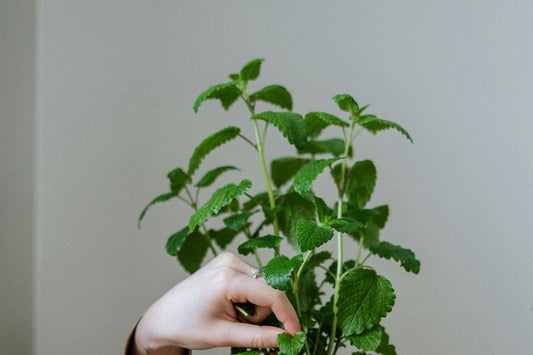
[(194, 205), (193, 202), (327, 270), (297, 282), (366, 258), (248, 141), (295, 286), (339, 244), (184, 200), (307, 348), (266, 176), (317, 338), (359, 248), (260, 142), (257, 257)]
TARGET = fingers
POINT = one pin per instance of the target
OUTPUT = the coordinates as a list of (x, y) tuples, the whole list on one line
[(231, 260), (261, 313), (248, 335), (244, 288)]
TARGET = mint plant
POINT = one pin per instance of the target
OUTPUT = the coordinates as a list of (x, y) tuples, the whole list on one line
[(339, 302)]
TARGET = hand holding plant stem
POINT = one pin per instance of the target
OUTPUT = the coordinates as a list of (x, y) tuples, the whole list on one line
[(361, 297), (199, 312)]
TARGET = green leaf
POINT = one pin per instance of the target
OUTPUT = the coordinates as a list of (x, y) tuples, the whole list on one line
[(294, 208), (284, 169), (363, 215), (232, 207), (373, 219), (223, 237), (364, 298), (175, 241), (346, 103), (274, 94), (178, 179), (405, 257), (385, 348), (322, 210), (361, 182), (345, 224), (305, 177), (260, 199), (279, 269), (317, 259), (251, 70), (227, 93), (336, 175), (291, 345), (209, 144), (317, 121), (374, 124), (310, 235), (234, 76), (192, 251), (219, 199), (211, 176), (334, 146), (237, 221), (368, 340), (268, 241), (382, 215), (369, 235), (362, 109), (290, 124), (160, 198)]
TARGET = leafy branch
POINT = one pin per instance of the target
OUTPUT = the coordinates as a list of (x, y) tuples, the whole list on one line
[(289, 210)]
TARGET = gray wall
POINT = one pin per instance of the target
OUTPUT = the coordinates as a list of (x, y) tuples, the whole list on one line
[(17, 173), (115, 85)]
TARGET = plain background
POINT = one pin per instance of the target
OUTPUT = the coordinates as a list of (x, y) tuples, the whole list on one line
[(96, 108)]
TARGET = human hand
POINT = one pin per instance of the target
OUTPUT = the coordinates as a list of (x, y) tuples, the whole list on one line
[(198, 313)]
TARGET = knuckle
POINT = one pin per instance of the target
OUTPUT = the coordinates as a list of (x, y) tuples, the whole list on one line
[(226, 258), (257, 340), (262, 340), (224, 275), (279, 295)]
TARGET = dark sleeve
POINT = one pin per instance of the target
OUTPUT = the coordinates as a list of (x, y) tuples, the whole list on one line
[(128, 348), (130, 342)]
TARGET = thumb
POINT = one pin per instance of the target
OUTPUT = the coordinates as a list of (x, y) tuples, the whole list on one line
[(249, 335)]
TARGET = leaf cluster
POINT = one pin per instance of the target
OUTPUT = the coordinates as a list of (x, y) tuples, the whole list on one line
[(289, 210)]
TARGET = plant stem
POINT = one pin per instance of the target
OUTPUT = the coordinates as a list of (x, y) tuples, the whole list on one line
[(194, 205), (193, 202), (184, 200), (326, 270), (266, 176), (307, 348), (339, 243), (295, 286), (260, 151), (359, 248), (258, 259), (317, 337), (248, 141), (297, 281), (366, 258)]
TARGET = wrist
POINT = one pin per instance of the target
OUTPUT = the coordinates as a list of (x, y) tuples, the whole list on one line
[(145, 342)]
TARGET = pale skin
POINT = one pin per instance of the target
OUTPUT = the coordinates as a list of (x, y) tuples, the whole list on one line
[(198, 313)]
